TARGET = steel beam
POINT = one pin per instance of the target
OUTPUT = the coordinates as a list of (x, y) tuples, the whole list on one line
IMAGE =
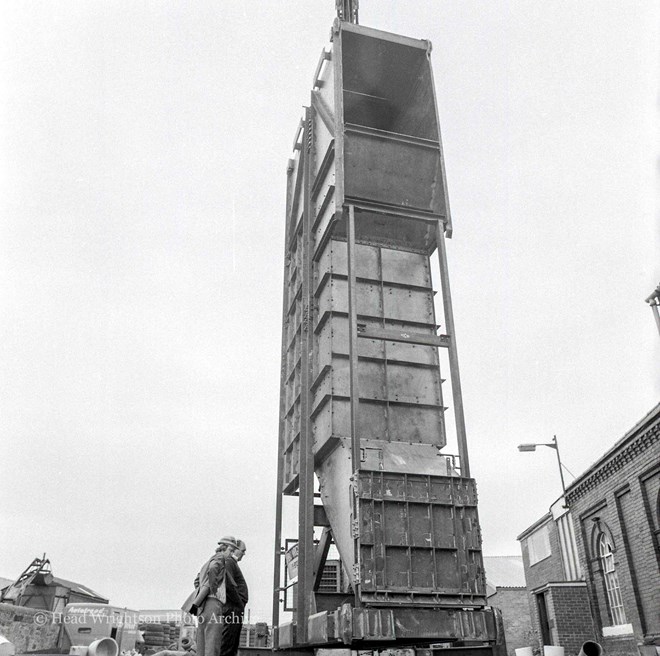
[(321, 556), (306, 478), (388, 335), (352, 338), (324, 111), (277, 555), (353, 377), (456, 393)]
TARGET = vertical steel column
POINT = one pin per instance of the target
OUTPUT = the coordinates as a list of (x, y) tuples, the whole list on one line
[(352, 338), (338, 59), (457, 396), (354, 387), (277, 565), (306, 475)]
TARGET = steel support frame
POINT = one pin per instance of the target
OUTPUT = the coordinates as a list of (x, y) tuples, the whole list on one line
[(277, 564), (321, 556), (454, 373), (305, 598), (309, 575), (353, 384), (306, 550), (307, 555)]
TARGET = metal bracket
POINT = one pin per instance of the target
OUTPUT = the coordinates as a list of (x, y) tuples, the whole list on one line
[(317, 83), (296, 139)]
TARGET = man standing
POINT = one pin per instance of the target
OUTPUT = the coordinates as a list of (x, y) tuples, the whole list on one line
[(237, 597), (210, 619)]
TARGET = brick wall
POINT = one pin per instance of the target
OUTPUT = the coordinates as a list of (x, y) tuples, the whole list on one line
[(620, 497), (24, 628), (572, 617), (569, 616), (548, 569), (515, 615), (538, 575)]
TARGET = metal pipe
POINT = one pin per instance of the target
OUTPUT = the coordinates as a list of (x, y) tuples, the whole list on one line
[(457, 395), (590, 648)]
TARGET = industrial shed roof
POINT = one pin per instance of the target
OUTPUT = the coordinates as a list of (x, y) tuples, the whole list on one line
[(78, 588)]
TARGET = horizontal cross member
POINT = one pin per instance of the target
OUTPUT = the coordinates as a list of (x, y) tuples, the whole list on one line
[(403, 336)]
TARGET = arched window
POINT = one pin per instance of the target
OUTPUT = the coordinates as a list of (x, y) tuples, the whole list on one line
[(614, 600)]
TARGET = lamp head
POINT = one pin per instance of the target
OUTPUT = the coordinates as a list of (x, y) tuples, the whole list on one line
[(527, 447)]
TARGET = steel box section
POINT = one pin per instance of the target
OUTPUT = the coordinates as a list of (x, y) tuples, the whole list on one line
[(387, 82), (400, 384), (419, 540), (386, 627), (393, 169), (284, 635), (420, 624), (392, 158), (368, 413)]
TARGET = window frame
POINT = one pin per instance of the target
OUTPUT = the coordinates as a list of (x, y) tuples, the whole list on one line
[(536, 556), (605, 552)]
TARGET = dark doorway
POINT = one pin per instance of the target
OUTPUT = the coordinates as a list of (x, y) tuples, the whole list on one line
[(543, 618)]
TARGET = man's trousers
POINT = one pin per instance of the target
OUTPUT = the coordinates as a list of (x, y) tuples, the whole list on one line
[(232, 622), (209, 628)]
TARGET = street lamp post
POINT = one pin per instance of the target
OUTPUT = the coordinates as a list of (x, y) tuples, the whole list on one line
[(654, 301), (553, 445)]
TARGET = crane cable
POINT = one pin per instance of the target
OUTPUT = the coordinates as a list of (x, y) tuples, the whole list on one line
[(347, 10)]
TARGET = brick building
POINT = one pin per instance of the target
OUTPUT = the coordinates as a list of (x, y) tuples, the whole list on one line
[(505, 589), (556, 592), (616, 509), (592, 564)]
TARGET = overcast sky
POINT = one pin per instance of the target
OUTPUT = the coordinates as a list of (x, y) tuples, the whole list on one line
[(143, 158)]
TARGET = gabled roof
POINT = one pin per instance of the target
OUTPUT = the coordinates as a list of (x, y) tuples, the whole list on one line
[(78, 588), (504, 572)]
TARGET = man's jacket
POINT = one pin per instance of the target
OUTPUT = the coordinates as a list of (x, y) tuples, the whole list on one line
[(237, 590), (221, 567)]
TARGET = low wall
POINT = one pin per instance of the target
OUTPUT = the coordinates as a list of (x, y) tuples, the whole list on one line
[(29, 629), (515, 614)]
